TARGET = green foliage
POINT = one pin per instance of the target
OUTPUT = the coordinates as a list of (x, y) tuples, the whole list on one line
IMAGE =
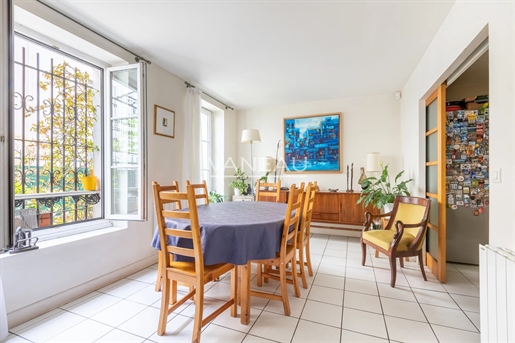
[(381, 191), (214, 197), (240, 181)]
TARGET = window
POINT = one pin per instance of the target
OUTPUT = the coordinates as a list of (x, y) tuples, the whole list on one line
[(72, 119), (205, 146)]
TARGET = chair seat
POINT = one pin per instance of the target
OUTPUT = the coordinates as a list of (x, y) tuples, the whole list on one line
[(188, 268), (383, 239)]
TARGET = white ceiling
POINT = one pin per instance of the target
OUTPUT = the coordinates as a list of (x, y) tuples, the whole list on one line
[(261, 53)]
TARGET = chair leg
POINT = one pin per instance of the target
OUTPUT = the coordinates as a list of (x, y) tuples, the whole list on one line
[(199, 312), (159, 278), (308, 260), (363, 253), (234, 291), (284, 290), (259, 275), (421, 263), (163, 313), (401, 261), (301, 268), (296, 276), (393, 269)]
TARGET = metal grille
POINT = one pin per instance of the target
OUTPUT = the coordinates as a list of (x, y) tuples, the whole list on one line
[(56, 111)]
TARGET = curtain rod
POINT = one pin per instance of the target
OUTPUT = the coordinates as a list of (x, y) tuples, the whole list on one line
[(188, 85), (136, 56)]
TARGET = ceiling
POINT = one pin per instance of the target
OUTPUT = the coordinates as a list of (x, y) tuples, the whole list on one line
[(252, 54)]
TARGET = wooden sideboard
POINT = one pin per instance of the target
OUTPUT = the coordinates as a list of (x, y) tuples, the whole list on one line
[(339, 208)]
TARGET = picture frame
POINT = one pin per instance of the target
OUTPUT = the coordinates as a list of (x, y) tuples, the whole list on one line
[(312, 143), (164, 121)]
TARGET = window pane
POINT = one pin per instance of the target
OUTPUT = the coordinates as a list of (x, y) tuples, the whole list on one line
[(124, 190), (432, 179), (432, 147), (124, 142), (203, 127), (432, 115)]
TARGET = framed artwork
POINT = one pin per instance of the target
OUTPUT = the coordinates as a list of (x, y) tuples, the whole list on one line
[(313, 143), (164, 121)]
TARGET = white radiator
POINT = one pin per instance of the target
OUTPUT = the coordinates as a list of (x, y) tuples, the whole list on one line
[(497, 294)]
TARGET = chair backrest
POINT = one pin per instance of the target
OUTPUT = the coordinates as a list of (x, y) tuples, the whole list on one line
[(292, 217), (307, 211), (411, 210), (200, 191), (268, 191), (174, 187), (190, 215)]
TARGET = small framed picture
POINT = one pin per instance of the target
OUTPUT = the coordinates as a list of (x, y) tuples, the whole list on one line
[(164, 121)]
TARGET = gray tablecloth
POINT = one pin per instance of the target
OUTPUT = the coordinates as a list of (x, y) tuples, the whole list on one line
[(235, 232)]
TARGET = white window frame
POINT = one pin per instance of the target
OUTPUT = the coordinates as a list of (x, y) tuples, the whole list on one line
[(205, 112)]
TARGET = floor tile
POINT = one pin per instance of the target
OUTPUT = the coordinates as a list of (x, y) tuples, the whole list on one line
[(474, 318), (364, 322), (118, 313), (360, 274), (332, 260), (123, 288), (364, 302), (403, 309), (336, 252), (326, 295), (466, 303), (115, 336), (447, 317), (435, 298), (15, 339), (296, 306), (462, 289), (46, 328), (384, 277), (224, 319), (322, 313), (354, 337), (404, 330), (255, 339), (331, 281), (215, 333), (86, 331), (179, 329), (397, 292), (274, 327), (331, 270), (361, 286), (144, 323), (315, 332), (147, 275), (146, 296), (93, 305), (446, 334), (33, 321), (220, 290)]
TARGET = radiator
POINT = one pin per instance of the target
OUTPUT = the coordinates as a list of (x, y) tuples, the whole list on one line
[(497, 294)]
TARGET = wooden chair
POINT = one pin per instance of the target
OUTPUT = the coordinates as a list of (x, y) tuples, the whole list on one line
[(268, 191), (410, 216), (195, 274), (174, 187), (200, 191), (286, 254), (304, 234)]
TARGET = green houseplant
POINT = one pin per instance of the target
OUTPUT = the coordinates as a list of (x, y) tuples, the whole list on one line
[(239, 184), (380, 191)]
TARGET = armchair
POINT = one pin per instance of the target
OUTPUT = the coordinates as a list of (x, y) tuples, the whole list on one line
[(404, 234)]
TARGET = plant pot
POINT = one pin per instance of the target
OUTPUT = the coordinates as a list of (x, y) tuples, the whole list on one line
[(237, 191), (388, 207), (89, 183)]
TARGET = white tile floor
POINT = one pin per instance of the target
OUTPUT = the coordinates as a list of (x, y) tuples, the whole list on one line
[(345, 302)]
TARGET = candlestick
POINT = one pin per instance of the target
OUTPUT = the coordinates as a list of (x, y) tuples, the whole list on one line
[(351, 176), (347, 177)]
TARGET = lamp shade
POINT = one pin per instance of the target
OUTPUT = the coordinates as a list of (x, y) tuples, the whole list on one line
[(250, 135), (373, 162)]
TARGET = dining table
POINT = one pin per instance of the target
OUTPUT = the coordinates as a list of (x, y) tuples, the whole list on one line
[(236, 233)]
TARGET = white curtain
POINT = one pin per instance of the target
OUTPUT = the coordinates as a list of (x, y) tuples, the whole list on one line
[(191, 159)]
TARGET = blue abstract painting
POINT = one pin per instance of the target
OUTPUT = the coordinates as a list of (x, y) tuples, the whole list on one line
[(312, 143)]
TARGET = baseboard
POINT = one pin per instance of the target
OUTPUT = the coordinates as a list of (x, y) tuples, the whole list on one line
[(335, 229), (34, 310)]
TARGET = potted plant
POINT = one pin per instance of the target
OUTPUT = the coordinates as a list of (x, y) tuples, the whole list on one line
[(215, 197), (380, 191), (239, 185)]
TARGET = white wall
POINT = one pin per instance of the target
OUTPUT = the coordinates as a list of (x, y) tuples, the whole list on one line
[(467, 24), (369, 123)]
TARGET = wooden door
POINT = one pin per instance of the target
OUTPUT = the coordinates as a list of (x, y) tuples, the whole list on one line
[(435, 182)]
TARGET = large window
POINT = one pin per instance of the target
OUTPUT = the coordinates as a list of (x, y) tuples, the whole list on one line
[(206, 164), (78, 140), (57, 141)]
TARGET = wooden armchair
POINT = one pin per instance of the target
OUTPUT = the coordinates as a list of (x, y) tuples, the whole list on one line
[(404, 234), (270, 192)]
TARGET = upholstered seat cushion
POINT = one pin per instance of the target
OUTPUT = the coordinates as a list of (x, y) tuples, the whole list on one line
[(383, 239)]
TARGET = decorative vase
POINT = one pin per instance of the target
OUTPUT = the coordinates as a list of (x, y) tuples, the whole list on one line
[(364, 185), (89, 183)]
